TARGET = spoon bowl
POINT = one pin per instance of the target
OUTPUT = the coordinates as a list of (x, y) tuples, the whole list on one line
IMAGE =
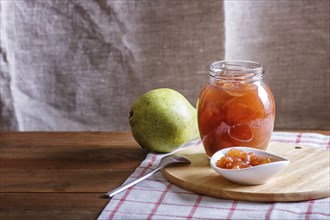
[(172, 159), (253, 175)]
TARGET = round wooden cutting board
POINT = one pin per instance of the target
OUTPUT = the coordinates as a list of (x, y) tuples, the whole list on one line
[(307, 176)]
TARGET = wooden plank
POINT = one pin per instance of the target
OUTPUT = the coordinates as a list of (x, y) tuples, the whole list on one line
[(78, 139), (68, 159), (52, 213), (59, 200), (53, 163), (62, 175), (36, 166), (39, 150), (62, 180)]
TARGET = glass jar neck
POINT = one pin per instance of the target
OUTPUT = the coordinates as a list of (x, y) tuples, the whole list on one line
[(236, 71)]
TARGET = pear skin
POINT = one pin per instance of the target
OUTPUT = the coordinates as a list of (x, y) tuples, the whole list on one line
[(162, 119)]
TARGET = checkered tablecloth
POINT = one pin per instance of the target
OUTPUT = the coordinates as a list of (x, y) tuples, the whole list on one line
[(156, 198)]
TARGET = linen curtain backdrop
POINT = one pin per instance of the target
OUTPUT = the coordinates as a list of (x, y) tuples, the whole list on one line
[(72, 65)]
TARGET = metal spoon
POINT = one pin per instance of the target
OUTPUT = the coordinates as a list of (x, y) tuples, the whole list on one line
[(165, 161)]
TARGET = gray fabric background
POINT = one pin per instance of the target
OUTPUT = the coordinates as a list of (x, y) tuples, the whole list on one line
[(291, 39), (79, 65)]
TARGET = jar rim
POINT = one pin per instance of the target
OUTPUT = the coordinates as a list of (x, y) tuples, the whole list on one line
[(238, 69)]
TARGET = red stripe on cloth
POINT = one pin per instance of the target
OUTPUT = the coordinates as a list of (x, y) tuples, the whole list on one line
[(221, 208), (193, 210), (113, 212), (161, 198), (152, 160), (165, 216), (269, 211), (232, 210), (155, 180), (293, 134), (309, 209), (303, 142), (298, 138), (121, 202), (157, 190)]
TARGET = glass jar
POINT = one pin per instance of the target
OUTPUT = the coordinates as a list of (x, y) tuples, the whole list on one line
[(236, 107)]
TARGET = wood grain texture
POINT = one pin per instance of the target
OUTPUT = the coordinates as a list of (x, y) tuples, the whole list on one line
[(62, 175), (50, 205), (307, 176)]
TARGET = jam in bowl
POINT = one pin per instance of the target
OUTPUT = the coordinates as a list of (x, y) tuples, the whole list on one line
[(257, 169)]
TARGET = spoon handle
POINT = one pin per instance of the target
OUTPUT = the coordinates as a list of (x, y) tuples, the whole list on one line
[(132, 183)]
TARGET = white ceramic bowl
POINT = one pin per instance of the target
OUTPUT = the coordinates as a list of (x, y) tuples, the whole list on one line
[(253, 175)]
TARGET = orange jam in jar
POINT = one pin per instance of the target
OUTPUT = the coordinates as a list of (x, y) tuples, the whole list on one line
[(236, 107)]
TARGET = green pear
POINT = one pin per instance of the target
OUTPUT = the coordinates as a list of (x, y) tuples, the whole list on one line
[(162, 120)]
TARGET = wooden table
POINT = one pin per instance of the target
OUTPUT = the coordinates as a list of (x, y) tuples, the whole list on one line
[(48, 175), (63, 175)]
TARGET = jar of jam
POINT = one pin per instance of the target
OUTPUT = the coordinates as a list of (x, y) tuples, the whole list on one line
[(236, 107)]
